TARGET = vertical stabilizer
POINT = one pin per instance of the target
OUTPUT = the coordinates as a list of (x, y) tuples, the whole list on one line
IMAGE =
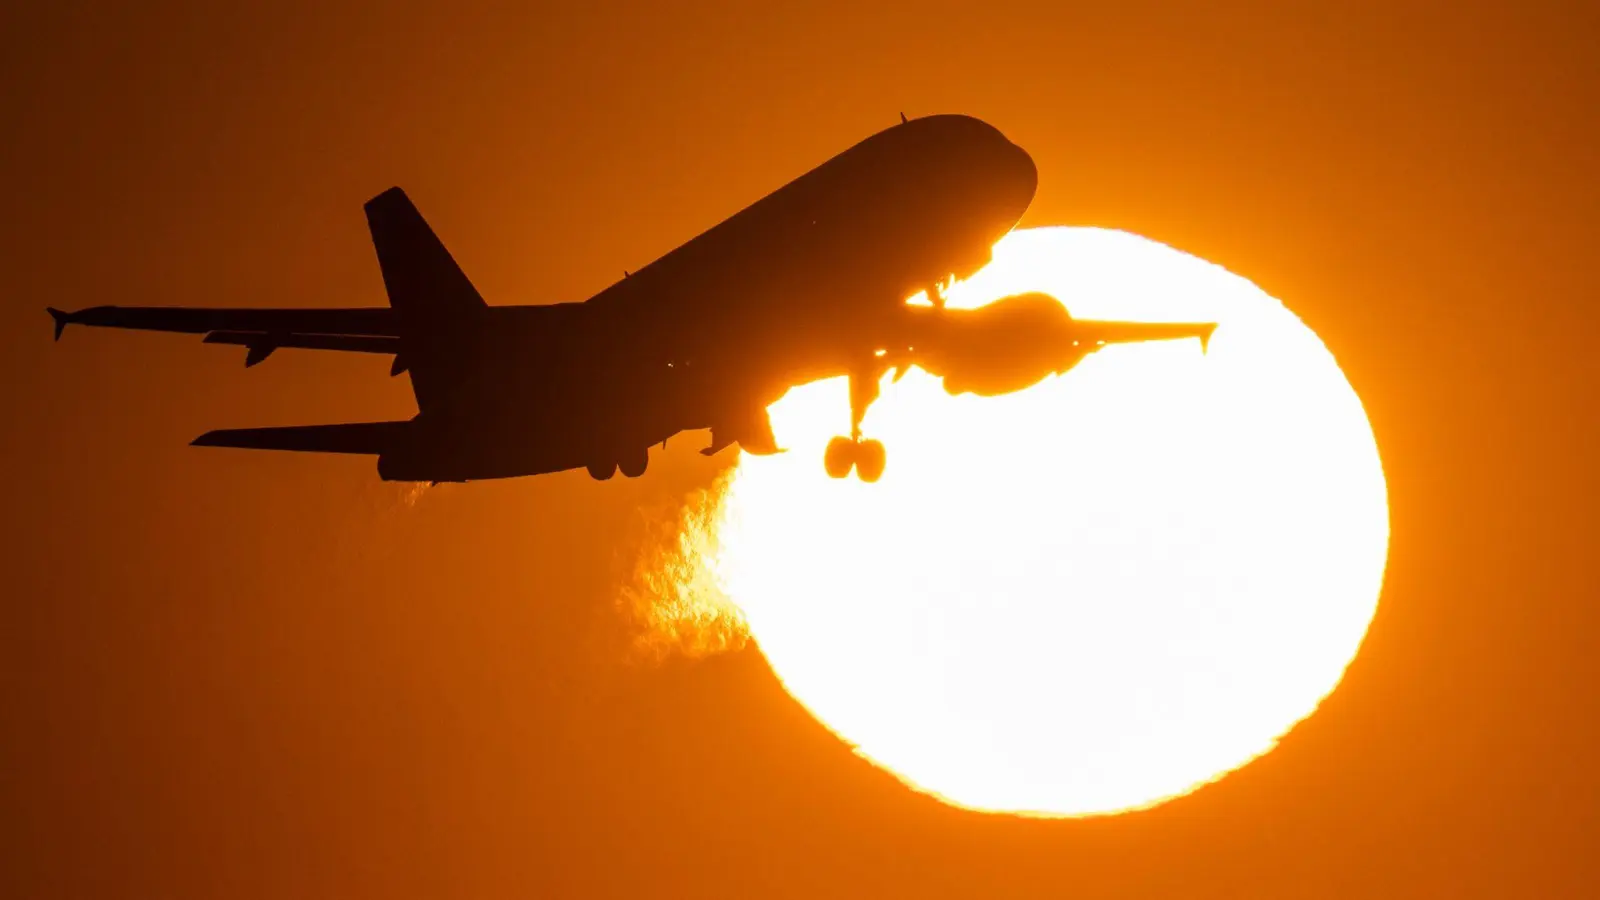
[(431, 296)]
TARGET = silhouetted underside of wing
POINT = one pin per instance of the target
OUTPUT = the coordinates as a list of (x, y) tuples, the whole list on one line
[(1105, 332), (374, 321), (349, 437)]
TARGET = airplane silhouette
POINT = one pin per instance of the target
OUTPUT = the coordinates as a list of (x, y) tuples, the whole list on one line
[(810, 282)]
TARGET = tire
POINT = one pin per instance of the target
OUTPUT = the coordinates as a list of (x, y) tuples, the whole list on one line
[(840, 457), (634, 462), (601, 471), (870, 459)]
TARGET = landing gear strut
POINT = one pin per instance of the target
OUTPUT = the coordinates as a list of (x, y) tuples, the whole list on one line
[(867, 457)]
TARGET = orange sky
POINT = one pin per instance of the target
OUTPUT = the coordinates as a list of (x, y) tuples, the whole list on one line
[(254, 675)]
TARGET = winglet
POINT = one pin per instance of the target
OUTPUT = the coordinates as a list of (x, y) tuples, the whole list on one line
[(61, 320), (1205, 337)]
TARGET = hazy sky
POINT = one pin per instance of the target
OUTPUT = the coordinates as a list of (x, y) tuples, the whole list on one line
[(258, 675)]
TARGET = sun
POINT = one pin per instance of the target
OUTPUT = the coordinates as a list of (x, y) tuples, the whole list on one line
[(1089, 596)]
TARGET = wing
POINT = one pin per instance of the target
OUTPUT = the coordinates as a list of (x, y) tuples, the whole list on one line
[(350, 437), (1099, 332), (374, 321), (262, 344)]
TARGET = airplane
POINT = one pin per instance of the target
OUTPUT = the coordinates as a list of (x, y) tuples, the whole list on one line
[(810, 282)]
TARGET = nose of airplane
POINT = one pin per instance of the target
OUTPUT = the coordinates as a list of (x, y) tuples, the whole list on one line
[(1024, 177)]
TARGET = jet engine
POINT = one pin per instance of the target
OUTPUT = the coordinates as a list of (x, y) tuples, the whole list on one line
[(1005, 346)]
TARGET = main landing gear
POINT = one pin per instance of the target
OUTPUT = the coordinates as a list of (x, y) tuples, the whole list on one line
[(845, 453), (631, 465), (865, 456)]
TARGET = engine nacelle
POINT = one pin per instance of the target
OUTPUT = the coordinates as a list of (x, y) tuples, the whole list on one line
[(1006, 346)]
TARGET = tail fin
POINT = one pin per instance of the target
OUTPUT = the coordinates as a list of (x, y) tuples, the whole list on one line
[(429, 292)]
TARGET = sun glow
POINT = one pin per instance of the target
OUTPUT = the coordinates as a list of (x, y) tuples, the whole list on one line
[(1085, 597)]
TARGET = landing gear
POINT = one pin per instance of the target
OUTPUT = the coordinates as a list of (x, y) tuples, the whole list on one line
[(839, 458), (631, 465), (870, 459), (867, 457), (634, 462)]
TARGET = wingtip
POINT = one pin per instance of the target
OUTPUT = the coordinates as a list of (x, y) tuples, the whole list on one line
[(60, 318)]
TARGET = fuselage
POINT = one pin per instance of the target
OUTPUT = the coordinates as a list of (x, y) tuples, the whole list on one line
[(797, 287), (810, 282)]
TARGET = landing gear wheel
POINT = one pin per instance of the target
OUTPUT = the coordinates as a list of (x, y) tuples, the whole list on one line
[(634, 462), (870, 459), (601, 471), (840, 457)]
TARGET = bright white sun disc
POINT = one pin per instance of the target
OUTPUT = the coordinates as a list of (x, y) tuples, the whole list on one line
[(1091, 595)]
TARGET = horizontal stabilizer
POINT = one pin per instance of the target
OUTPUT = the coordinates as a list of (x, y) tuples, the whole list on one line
[(350, 437)]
